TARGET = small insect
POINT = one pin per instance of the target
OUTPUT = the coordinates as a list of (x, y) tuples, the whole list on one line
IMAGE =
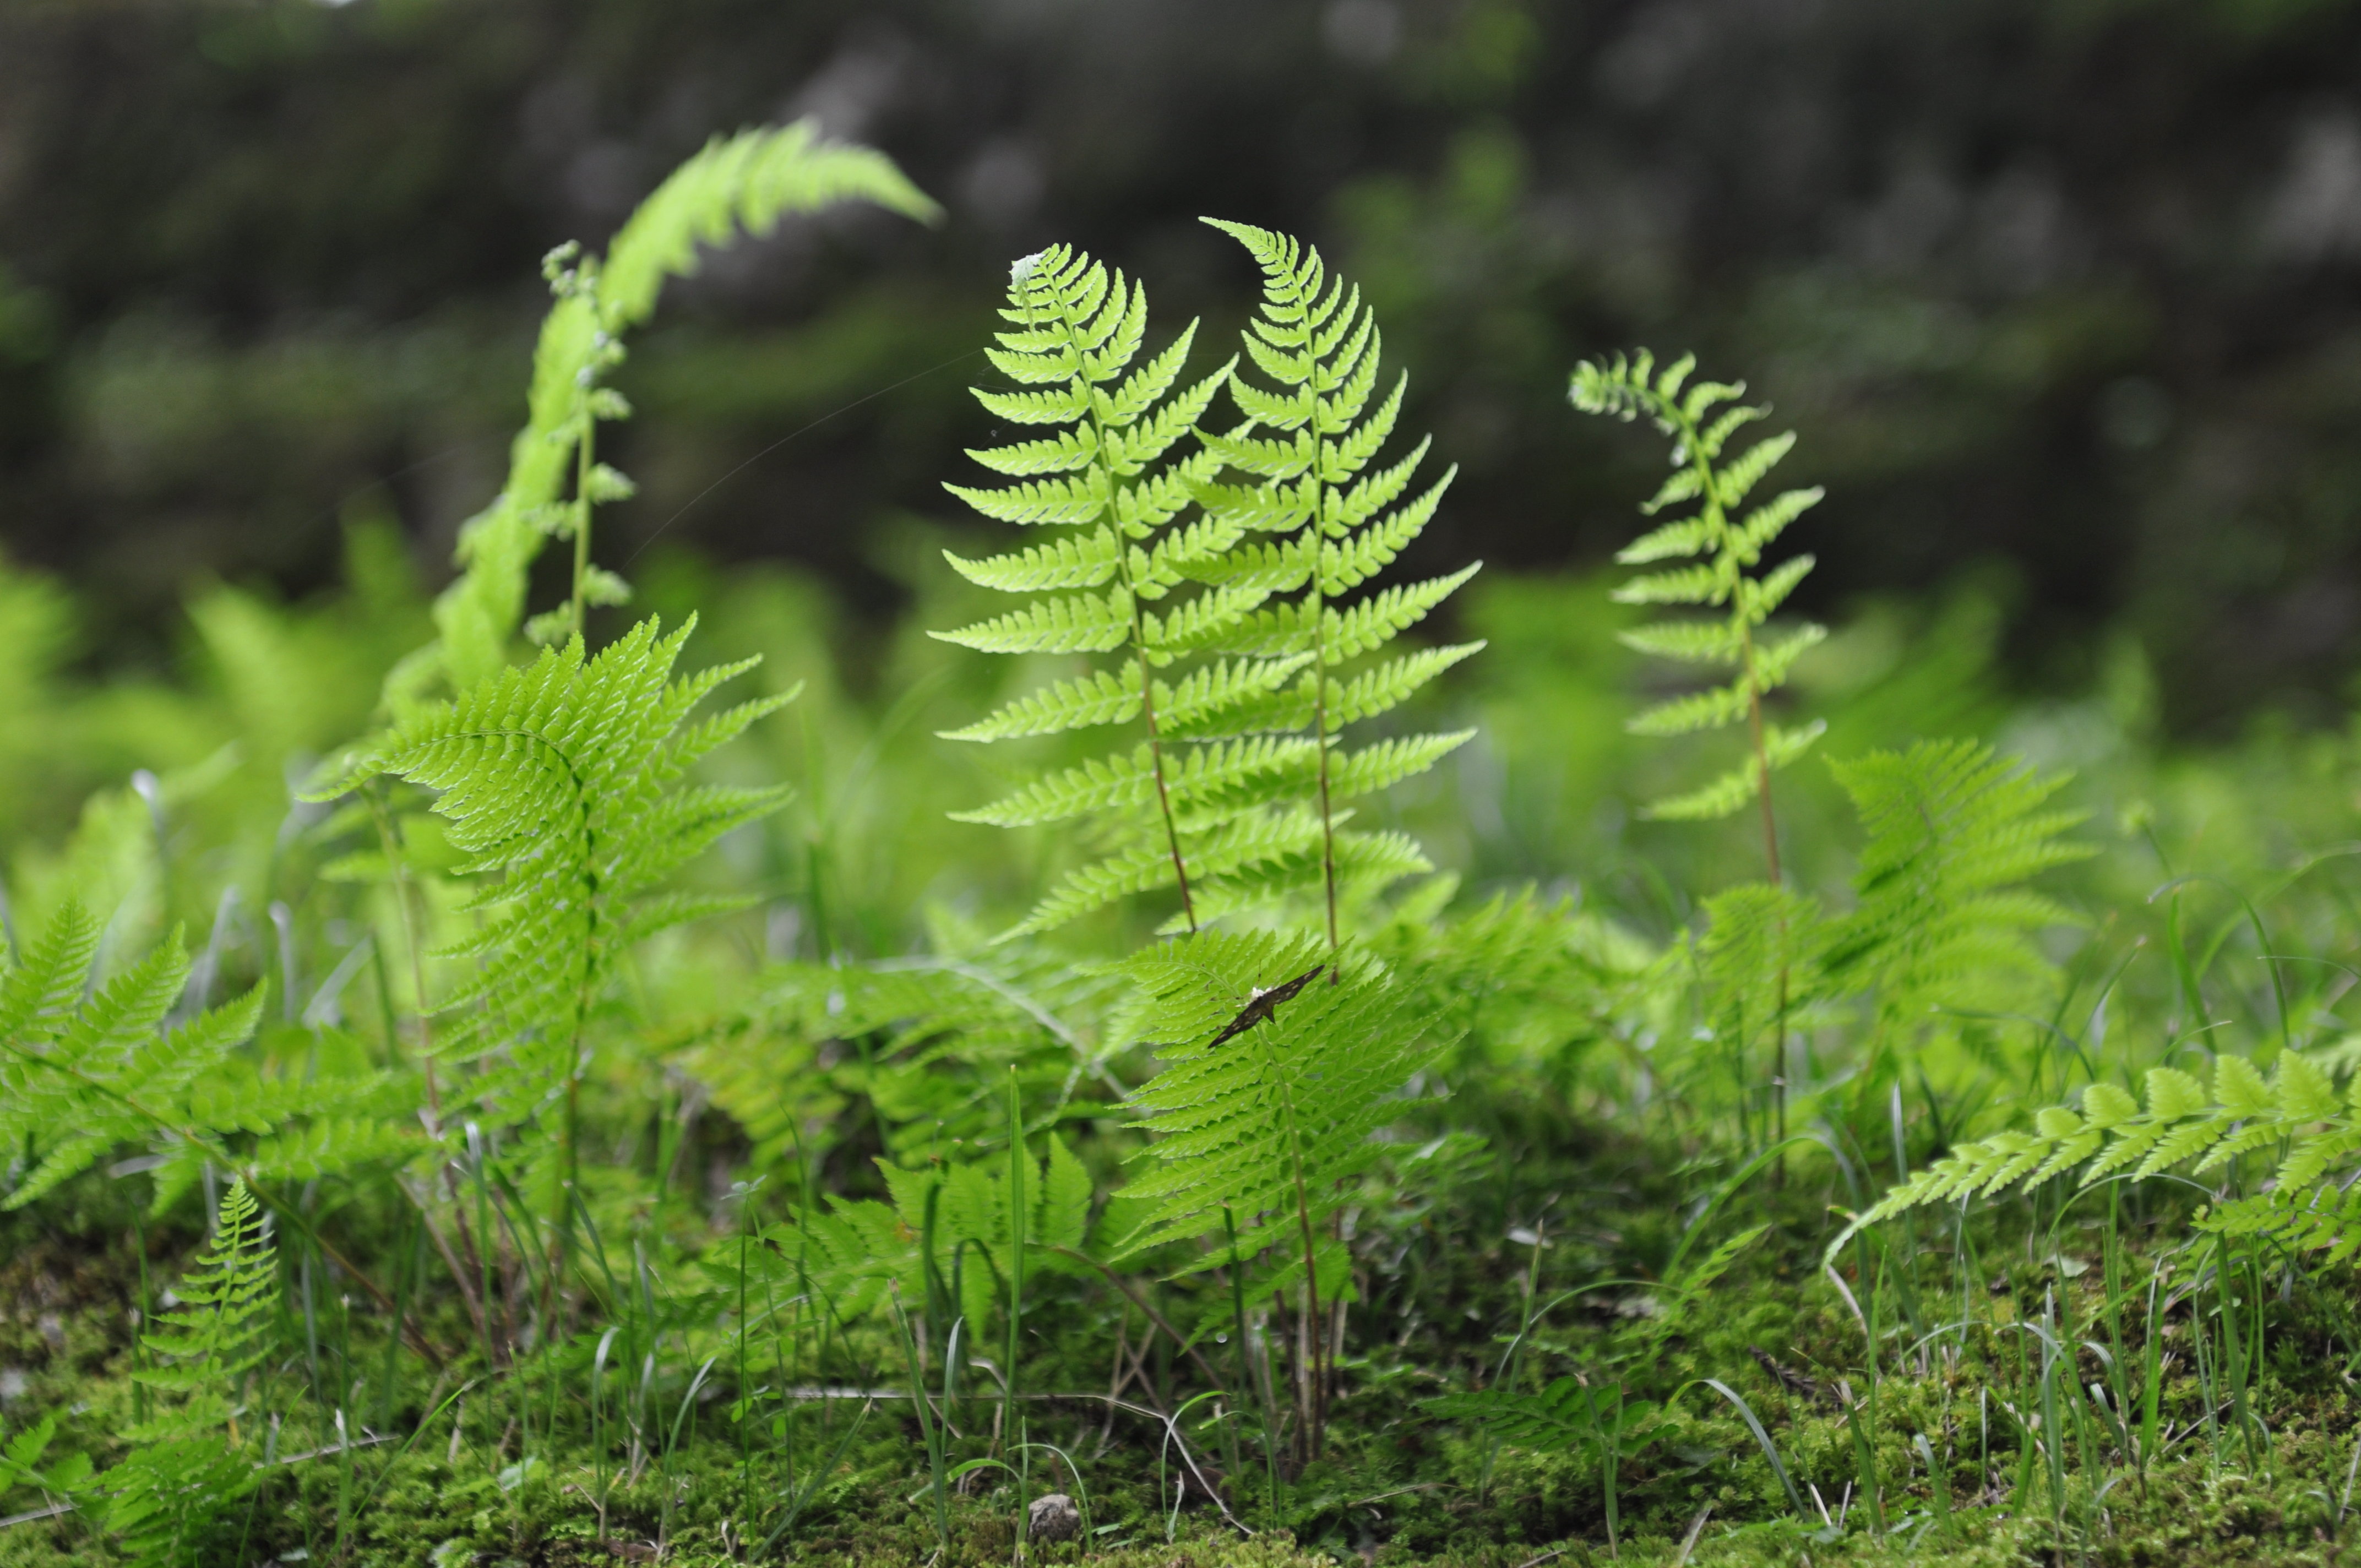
[(1264, 1003)]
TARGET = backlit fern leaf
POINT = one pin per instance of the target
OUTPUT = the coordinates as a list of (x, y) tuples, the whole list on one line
[(1701, 422), (1076, 329), (1225, 675), (1308, 439)]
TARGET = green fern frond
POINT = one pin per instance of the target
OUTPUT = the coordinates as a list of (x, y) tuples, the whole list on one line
[(747, 182), (86, 1067), (2296, 1112), (1701, 422), (1953, 830), (1225, 683), (1269, 1117), (1310, 437), (1076, 329), (561, 783), (191, 1464)]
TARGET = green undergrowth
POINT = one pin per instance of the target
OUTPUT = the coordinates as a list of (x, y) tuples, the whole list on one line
[(1359, 1066), (1397, 1486)]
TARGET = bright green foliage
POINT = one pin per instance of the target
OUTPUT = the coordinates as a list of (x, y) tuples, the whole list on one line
[(1728, 547), (1308, 446), (21, 1463), (194, 1461), (561, 781), (945, 1237), (1954, 831), (1231, 795), (2293, 1119), (86, 1067), (1274, 1120), (1111, 473), (748, 180)]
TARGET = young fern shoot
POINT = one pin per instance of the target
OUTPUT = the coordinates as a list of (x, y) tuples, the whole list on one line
[(1728, 548)]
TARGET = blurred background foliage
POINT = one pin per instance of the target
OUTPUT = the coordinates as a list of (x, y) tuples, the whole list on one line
[(2061, 297), (2060, 293)]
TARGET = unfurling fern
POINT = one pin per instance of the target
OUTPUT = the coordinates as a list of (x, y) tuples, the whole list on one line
[(1727, 547), (2293, 1118), (1271, 1089), (749, 181), (192, 1463), (1231, 795), (1111, 473), (561, 783), (85, 1067)]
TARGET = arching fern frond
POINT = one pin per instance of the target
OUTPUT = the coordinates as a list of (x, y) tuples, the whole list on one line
[(747, 182), (2294, 1117), (1729, 545)]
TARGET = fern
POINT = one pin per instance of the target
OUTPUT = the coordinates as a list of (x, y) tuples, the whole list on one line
[(561, 783), (1111, 469), (192, 1461), (945, 1236), (1953, 831), (781, 1060), (1232, 795), (1309, 446), (1272, 1091), (2294, 1118), (85, 1067), (748, 180), (1728, 547)]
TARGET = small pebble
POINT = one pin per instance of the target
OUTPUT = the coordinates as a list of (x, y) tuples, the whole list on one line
[(1054, 1518)]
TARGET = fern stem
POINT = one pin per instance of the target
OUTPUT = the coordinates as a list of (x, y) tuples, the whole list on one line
[(1717, 522), (1311, 1339), (584, 458)]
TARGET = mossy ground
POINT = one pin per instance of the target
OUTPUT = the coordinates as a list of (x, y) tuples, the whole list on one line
[(1440, 1296)]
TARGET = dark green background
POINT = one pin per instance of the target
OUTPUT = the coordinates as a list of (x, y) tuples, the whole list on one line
[(2061, 293)]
